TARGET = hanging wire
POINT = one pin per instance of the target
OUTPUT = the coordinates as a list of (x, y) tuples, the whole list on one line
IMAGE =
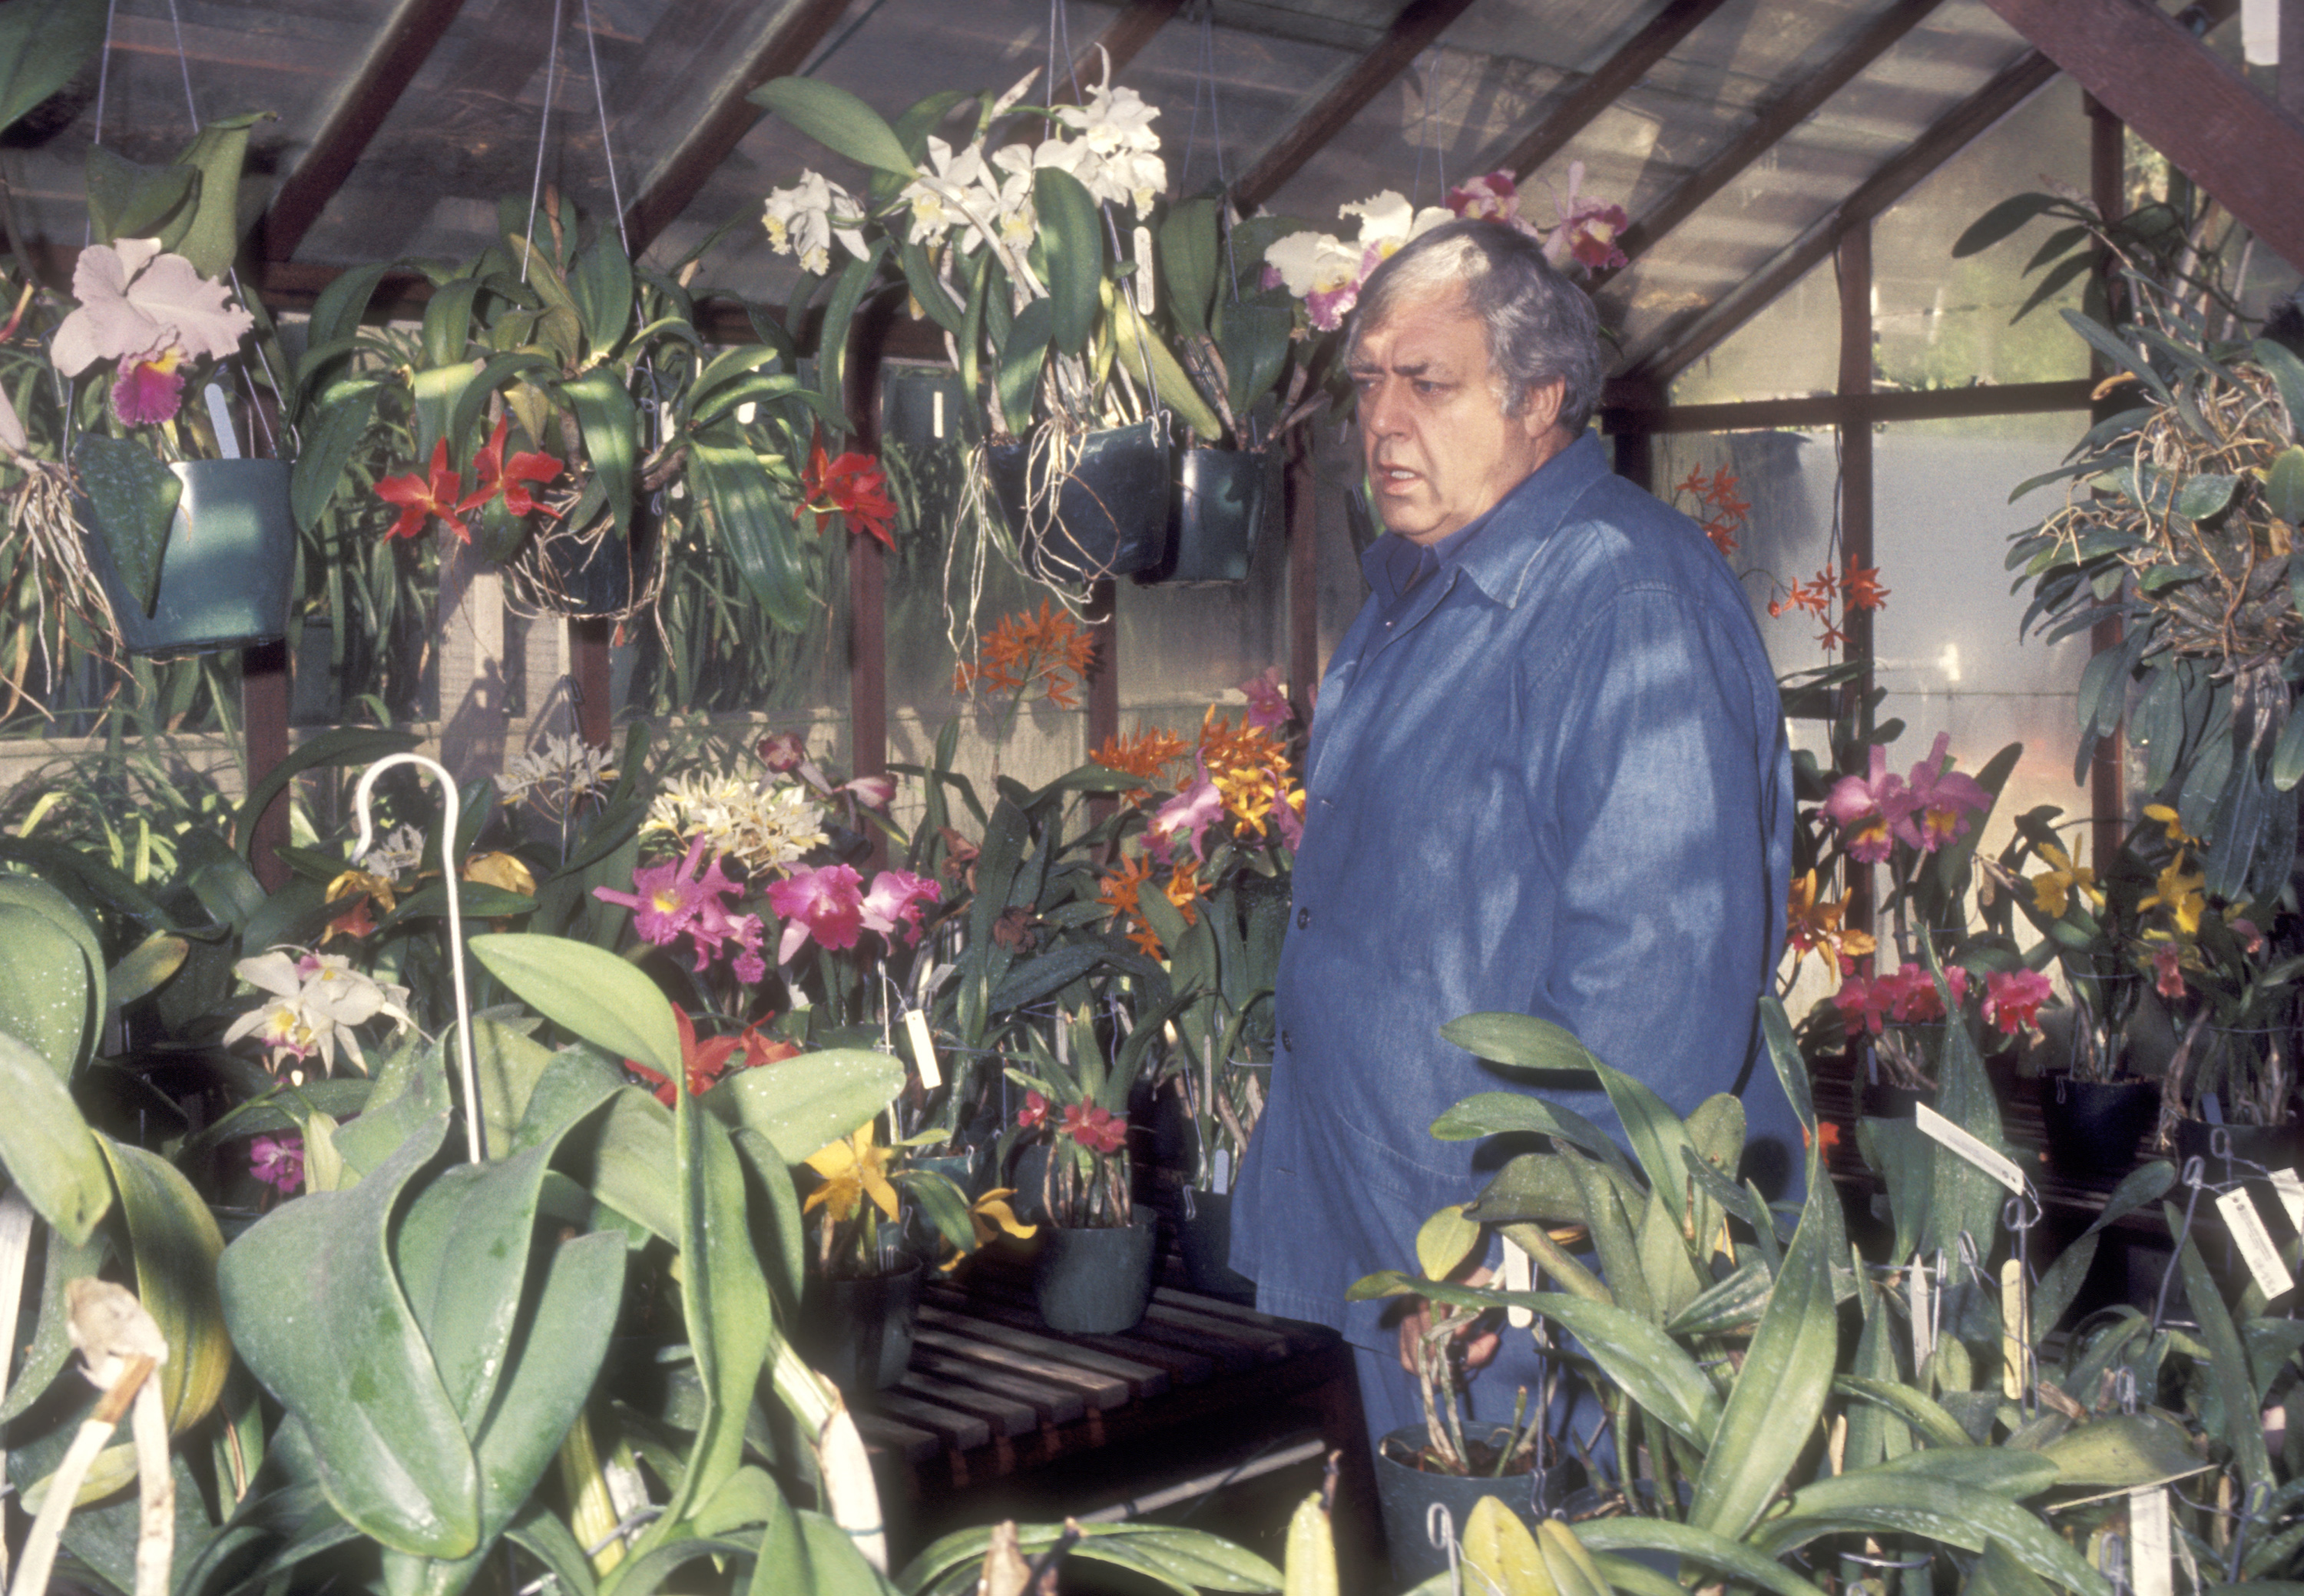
[(103, 83), (608, 151), (543, 130)]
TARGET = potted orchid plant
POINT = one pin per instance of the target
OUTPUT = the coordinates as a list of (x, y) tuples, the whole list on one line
[(1015, 242), (144, 518)]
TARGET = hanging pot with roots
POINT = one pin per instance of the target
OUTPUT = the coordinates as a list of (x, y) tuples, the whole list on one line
[(1084, 506)]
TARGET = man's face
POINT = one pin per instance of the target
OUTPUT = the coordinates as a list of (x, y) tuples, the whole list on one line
[(1440, 450)]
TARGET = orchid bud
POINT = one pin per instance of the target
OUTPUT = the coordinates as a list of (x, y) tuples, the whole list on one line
[(873, 791)]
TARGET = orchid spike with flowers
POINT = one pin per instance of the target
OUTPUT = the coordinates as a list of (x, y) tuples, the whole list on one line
[(314, 1003), (1327, 274)]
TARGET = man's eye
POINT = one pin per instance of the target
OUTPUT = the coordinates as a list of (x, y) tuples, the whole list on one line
[(1424, 385)]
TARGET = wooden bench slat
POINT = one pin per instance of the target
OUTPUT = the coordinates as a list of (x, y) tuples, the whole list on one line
[(1009, 1416), (1269, 1347), (1056, 1404), (1156, 1344), (1145, 1378), (1099, 1390), (913, 1446), (963, 1431)]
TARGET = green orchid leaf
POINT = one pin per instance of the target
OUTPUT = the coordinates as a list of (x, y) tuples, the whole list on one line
[(2001, 221), (807, 1551), (837, 120), (1021, 358), (1881, 1501), (1142, 352), (594, 995), (218, 153), (1928, 1417), (319, 1318), (1998, 1574), (2123, 1452), (1255, 342), (1780, 1392), (174, 1243), (2227, 1364), (132, 499), (1188, 262), (1651, 1367), (338, 745), (1201, 1561), (43, 46), (1071, 236), (802, 1104), (611, 429), (2003, 1471), (331, 435), (2288, 372), (600, 283), (46, 1147), (1731, 1558), (129, 199), (49, 995), (839, 315), (744, 515)]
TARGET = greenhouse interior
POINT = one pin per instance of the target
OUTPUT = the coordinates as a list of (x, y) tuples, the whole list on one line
[(1493, 797)]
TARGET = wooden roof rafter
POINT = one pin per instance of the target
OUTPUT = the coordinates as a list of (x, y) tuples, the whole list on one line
[(406, 42), (1412, 31), (1773, 122)]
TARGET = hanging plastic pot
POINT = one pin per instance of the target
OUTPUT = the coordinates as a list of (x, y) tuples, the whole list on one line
[(1085, 507), (227, 568), (1214, 516)]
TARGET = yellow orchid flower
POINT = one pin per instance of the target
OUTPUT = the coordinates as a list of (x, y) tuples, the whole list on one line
[(852, 1169), (2051, 890), (1811, 926), (501, 871), (991, 1214), (2181, 895), (355, 881), (2169, 818)]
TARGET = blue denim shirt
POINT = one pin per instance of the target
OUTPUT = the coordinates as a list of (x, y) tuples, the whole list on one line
[(1550, 777)]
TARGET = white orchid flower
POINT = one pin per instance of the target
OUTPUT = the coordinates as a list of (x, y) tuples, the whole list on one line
[(135, 301), (1112, 121), (316, 1000), (1310, 263), (805, 218)]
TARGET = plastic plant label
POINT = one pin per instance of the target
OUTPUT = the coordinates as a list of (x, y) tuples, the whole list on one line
[(1924, 1321), (2291, 1195), (1993, 1162), (2016, 1330), (2255, 1243), (2147, 1542), (1517, 1276), (1220, 1172), (915, 1026)]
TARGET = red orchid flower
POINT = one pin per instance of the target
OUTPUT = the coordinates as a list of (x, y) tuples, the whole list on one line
[(511, 479), (852, 486), (704, 1062), (420, 500)]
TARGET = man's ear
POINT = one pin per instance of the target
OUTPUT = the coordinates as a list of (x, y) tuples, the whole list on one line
[(1541, 413)]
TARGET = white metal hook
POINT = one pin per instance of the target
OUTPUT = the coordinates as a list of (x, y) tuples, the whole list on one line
[(453, 805)]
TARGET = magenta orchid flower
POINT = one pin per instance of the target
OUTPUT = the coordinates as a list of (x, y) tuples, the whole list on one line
[(1492, 197), (2013, 998), (665, 898), (1588, 229), (1939, 800), (278, 1161), (1267, 706), (149, 388), (1869, 811), (897, 899), (826, 903)]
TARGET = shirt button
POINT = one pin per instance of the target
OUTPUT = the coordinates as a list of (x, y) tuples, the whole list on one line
[(1287, 1042), (1303, 918)]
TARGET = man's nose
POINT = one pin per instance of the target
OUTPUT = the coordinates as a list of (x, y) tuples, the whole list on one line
[(1380, 410)]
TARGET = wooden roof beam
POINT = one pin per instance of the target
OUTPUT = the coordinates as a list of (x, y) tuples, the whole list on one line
[(1597, 93), (1418, 23), (400, 52), (782, 49), (1773, 122), (2185, 102)]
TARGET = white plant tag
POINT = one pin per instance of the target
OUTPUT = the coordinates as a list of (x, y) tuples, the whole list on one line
[(935, 412), (1516, 1273), (1923, 1322), (220, 417), (1994, 1163), (1220, 1174), (2255, 1243), (1143, 277), (2147, 1542), (2015, 1330), (2291, 1195), (915, 1026)]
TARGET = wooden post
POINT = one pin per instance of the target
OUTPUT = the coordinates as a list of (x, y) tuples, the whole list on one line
[(867, 638), (2107, 183), (263, 723), (2292, 57), (1303, 517), (593, 680), (1855, 427)]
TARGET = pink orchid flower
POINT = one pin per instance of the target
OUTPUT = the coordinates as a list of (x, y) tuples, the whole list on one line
[(1492, 197), (826, 903), (278, 1161), (1188, 814), (135, 301), (2013, 998), (896, 899), (2168, 971), (1940, 801), (149, 388), (667, 898), (873, 791), (1267, 706), (1868, 809)]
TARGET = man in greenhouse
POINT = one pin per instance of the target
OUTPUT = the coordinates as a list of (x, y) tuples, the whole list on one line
[(1547, 775)]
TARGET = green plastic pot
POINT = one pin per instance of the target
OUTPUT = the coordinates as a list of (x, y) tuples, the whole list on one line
[(229, 567), (859, 1332), (1406, 1496), (1096, 1282), (1218, 508)]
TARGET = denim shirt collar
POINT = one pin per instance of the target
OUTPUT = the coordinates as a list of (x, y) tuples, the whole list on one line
[(1497, 567)]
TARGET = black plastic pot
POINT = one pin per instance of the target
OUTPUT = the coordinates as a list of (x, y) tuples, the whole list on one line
[(859, 1332), (1204, 1236), (1218, 508), (2228, 1149), (230, 564), (2093, 1127), (1406, 1496), (1106, 517), (1883, 1101), (1096, 1282)]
